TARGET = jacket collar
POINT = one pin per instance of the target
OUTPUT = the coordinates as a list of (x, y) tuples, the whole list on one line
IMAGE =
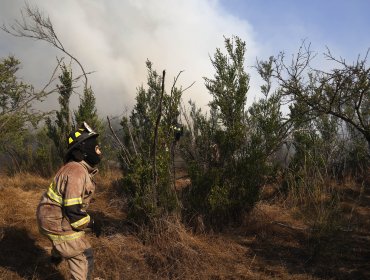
[(92, 170)]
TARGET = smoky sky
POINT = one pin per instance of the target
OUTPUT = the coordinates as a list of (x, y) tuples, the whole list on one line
[(114, 39)]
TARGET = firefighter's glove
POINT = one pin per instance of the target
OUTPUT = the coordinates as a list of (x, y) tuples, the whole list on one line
[(55, 257), (55, 260), (96, 227)]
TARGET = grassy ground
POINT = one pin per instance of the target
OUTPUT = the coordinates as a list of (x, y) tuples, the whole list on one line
[(275, 242)]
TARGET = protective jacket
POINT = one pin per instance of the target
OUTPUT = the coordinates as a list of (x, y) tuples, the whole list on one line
[(61, 213)]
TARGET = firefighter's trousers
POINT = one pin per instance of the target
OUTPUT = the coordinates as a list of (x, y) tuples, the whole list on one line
[(79, 256)]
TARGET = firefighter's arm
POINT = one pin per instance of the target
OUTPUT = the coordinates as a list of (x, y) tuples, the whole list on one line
[(78, 218), (73, 207)]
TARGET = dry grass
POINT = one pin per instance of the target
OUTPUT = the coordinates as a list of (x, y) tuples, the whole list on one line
[(272, 244)]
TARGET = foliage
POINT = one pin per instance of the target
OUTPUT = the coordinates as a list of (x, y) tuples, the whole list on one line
[(230, 151), (265, 118), (87, 111), (313, 194), (62, 126), (227, 152), (36, 26), (229, 90), (65, 122), (146, 151), (16, 111), (343, 92), (42, 150), (329, 111), (354, 158), (16, 97), (35, 154)]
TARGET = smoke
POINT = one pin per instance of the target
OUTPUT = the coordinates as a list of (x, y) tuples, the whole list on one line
[(114, 39)]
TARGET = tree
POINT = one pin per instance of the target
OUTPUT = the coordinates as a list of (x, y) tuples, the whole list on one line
[(18, 115), (15, 103), (61, 127), (229, 91), (145, 152), (87, 111), (16, 107), (35, 25), (16, 99), (343, 92), (265, 118), (226, 164)]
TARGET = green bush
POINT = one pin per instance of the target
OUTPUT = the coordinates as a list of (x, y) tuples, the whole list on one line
[(227, 152), (146, 152)]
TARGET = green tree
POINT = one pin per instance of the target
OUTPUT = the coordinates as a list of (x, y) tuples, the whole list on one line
[(35, 25), (61, 127), (343, 92), (265, 118), (229, 91), (225, 162), (146, 151), (16, 108), (87, 111)]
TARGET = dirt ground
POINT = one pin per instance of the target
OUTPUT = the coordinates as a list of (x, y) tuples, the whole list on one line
[(273, 242)]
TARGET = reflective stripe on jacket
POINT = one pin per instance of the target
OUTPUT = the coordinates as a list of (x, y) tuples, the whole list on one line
[(61, 213)]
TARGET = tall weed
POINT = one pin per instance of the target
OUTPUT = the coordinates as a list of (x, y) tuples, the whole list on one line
[(316, 198)]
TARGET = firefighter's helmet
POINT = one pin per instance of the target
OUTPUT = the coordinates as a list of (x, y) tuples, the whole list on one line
[(80, 135), (178, 130)]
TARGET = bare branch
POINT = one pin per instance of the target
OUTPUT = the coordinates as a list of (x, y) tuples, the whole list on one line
[(175, 81), (131, 137), (35, 25), (32, 96), (127, 156), (183, 90)]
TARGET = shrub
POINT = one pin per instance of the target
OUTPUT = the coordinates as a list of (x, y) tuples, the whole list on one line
[(146, 151)]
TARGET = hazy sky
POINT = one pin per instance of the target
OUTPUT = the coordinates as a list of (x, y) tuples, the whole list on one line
[(114, 38)]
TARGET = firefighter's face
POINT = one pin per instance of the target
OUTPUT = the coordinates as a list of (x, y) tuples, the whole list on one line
[(92, 151)]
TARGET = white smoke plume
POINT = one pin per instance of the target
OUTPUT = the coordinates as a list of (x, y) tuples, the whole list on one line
[(114, 38)]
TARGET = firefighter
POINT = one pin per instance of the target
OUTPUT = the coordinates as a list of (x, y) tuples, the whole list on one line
[(61, 213), (178, 130)]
